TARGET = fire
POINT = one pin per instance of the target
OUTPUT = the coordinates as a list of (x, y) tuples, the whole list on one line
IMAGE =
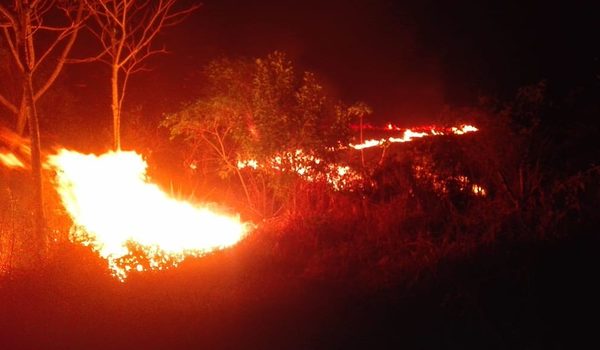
[(10, 160), (118, 212), (342, 176), (409, 135), (309, 167), (16, 143)]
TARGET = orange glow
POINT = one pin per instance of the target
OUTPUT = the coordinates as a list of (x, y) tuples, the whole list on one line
[(440, 184), (478, 190), (340, 176), (16, 143), (309, 167), (10, 160), (409, 135), (115, 207)]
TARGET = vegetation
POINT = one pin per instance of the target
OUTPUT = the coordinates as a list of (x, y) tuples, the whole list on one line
[(39, 63), (258, 110), (126, 31), (484, 240)]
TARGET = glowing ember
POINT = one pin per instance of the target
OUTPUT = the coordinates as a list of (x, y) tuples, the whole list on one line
[(478, 190), (10, 160), (440, 184), (131, 222), (310, 167)]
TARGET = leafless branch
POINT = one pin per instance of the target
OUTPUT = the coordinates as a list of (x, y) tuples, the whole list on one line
[(13, 48), (63, 56), (8, 15), (6, 103)]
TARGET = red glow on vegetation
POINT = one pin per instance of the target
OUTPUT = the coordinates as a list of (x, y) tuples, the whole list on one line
[(135, 226), (309, 167), (341, 177), (17, 147)]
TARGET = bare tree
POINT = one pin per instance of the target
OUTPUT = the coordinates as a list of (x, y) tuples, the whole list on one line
[(126, 29), (38, 50)]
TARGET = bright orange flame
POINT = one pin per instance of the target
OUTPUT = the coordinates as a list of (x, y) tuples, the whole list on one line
[(10, 160), (13, 142), (113, 205), (409, 135), (340, 176)]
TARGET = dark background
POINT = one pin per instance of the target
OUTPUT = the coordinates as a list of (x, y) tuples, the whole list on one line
[(410, 61), (406, 59)]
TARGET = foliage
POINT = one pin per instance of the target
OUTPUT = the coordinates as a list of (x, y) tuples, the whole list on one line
[(262, 107), (258, 110)]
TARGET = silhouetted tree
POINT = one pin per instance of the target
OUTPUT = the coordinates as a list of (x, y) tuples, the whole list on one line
[(37, 47), (258, 110), (126, 30)]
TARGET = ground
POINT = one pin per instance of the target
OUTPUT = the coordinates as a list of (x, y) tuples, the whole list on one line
[(517, 295)]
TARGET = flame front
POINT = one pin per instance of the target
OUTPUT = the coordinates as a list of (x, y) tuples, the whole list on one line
[(342, 176), (409, 135), (114, 207)]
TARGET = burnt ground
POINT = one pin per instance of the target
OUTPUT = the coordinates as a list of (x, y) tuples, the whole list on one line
[(539, 295)]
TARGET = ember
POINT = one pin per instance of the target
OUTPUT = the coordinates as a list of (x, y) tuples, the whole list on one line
[(309, 167)]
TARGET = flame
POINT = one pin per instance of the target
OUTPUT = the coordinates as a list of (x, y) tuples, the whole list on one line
[(13, 142), (478, 190), (116, 210), (440, 184), (10, 160), (342, 176), (309, 167), (409, 134)]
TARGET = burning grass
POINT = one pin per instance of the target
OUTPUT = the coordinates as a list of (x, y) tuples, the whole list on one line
[(119, 213)]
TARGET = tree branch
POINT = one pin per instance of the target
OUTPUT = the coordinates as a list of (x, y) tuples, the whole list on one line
[(13, 49), (9, 15), (63, 56), (6, 103)]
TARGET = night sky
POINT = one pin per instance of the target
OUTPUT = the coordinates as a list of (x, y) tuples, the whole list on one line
[(407, 60)]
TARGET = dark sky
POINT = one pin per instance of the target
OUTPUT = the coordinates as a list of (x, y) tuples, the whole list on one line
[(406, 59)]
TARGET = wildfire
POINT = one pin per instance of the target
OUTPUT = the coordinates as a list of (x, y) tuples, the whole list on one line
[(14, 142), (441, 184), (408, 135), (340, 177), (130, 221), (134, 225), (309, 167), (10, 160)]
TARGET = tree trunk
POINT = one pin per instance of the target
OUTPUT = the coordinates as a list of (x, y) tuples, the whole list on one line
[(41, 240), (116, 108), (22, 117)]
